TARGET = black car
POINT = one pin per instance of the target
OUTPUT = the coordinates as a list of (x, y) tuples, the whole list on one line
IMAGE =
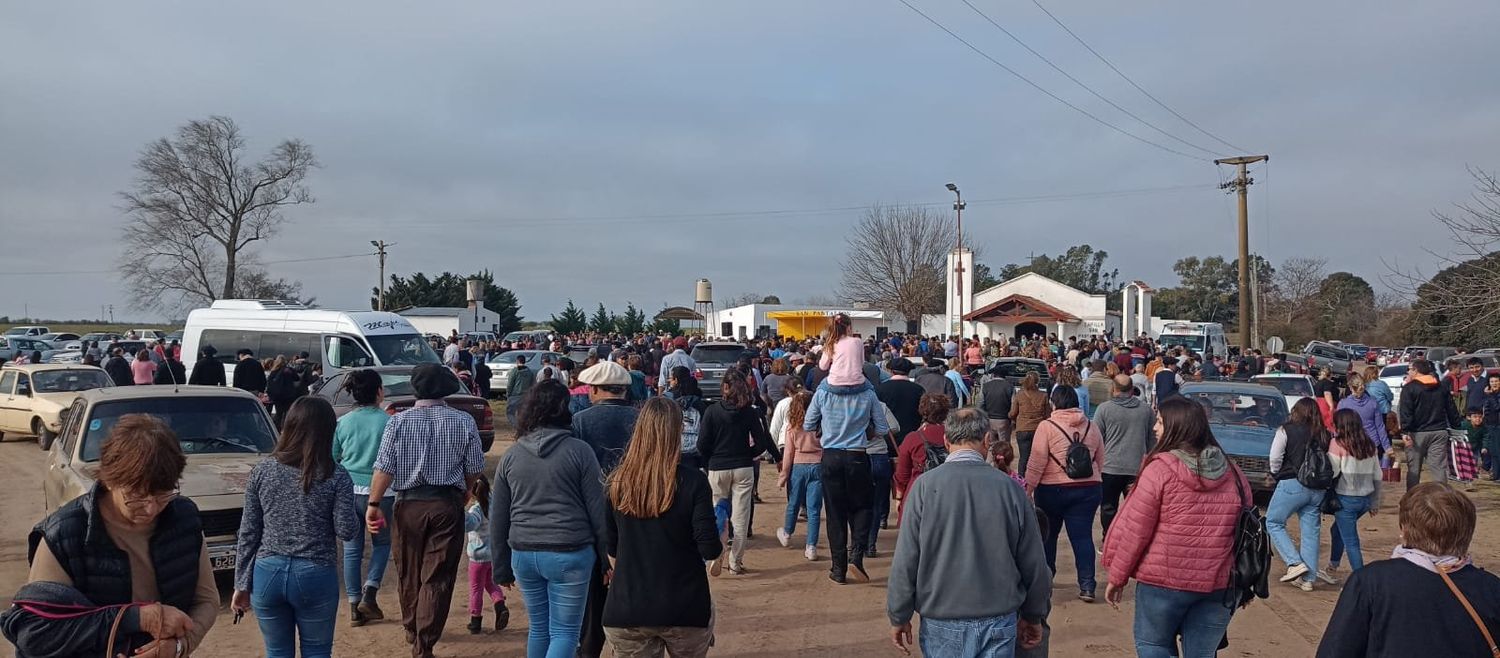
[(1016, 368)]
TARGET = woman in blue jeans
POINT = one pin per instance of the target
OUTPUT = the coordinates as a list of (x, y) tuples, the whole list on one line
[(547, 521), (355, 445), (799, 474), (1069, 497), (298, 504), (1356, 462), (1302, 431)]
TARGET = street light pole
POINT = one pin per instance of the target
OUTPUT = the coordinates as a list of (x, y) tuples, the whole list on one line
[(958, 270)]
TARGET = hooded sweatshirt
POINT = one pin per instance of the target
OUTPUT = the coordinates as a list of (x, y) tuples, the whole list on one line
[(1128, 429), (548, 495), (1176, 528), (1426, 406)]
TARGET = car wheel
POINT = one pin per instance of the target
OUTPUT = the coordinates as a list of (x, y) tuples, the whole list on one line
[(485, 443), (45, 438)]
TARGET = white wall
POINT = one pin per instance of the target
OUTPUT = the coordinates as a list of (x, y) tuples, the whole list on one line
[(1064, 298), (430, 325)]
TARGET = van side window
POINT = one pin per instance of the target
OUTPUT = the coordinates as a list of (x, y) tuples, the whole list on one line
[(348, 353), (228, 343)]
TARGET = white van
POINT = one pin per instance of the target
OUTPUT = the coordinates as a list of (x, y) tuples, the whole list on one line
[(336, 339), (1205, 338)]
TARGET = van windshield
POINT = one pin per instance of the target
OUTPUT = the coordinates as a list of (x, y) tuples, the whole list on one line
[(1194, 343), (402, 350)]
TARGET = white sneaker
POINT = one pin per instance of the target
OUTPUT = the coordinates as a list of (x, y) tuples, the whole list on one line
[(1294, 572), (1326, 577), (1305, 585), (811, 553), (783, 537)]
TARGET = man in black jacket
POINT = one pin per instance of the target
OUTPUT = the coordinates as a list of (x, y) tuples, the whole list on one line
[(207, 371), (994, 400), (901, 395), (248, 373), (1427, 413), (118, 368)]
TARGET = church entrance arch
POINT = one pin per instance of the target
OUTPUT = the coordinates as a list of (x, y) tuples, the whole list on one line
[(1030, 329)]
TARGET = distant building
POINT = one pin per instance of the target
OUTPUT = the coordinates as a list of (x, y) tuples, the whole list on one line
[(443, 320), (794, 321)]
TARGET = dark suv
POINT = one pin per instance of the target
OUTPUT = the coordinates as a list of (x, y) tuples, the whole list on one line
[(713, 360)]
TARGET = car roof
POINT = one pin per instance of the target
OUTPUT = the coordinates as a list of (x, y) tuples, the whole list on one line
[(1282, 375), (1230, 387), (721, 344), (163, 391), (38, 367)]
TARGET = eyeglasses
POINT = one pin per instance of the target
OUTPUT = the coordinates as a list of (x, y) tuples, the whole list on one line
[(159, 500)]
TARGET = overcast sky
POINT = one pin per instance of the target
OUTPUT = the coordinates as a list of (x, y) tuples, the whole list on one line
[(532, 138)]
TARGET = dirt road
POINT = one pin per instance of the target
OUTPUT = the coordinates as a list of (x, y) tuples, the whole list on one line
[(785, 606)]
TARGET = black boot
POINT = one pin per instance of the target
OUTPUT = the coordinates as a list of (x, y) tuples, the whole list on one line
[(356, 618), (476, 625), (502, 616), (368, 607)]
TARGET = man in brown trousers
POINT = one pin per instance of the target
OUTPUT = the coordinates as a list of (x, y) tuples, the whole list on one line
[(429, 454)]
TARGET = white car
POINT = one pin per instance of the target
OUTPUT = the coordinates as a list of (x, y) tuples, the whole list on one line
[(1293, 387), (501, 365), (1394, 376)]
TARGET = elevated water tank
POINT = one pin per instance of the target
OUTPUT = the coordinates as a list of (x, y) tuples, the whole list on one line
[(705, 292)]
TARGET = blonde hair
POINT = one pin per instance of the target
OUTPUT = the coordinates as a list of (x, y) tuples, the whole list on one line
[(1437, 518), (644, 484), (1356, 384)]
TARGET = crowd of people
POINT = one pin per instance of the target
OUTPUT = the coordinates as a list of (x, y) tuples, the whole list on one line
[(629, 488)]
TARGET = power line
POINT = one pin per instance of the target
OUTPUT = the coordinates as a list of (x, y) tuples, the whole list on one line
[(1080, 83), (1127, 78), (269, 262), (1053, 96)]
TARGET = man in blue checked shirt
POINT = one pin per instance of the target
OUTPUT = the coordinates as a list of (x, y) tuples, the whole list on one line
[(845, 421), (430, 454)]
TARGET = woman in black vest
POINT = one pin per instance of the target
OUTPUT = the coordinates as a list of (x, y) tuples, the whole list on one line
[(1288, 450), (130, 539)]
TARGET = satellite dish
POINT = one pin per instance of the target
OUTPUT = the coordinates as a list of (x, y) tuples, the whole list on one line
[(1275, 344)]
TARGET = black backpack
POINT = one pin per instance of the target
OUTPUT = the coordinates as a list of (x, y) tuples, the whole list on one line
[(936, 455), (1316, 471), (1249, 574), (1080, 462)]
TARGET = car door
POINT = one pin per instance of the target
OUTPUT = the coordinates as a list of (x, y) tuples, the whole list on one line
[(60, 458), (9, 410)]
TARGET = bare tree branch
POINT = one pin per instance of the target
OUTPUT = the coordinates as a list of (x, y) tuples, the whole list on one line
[(895, 260)]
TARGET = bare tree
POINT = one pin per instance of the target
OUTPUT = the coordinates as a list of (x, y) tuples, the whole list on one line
[(198, 205), (1459, 302), (1295, 283), (896, 259), (743, 299)]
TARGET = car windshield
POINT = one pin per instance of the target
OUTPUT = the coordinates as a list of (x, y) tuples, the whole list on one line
[(1288, 385), (402, 350), (204, 424), (64, 381), (1244, 409), (717, 353), (1394, 371), (1194, 343)]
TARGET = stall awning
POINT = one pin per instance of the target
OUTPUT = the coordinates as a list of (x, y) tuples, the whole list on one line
[(799, 324)]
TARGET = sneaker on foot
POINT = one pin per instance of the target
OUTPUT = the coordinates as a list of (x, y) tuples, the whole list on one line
[(811, 553), (1326, 577), (857, 572), (1294, 572), (837, 579), (1305, 585), (783, 537), (737, 569), (502, 616), (872, 552), (476, 625), (1086, 596), (367, 605)]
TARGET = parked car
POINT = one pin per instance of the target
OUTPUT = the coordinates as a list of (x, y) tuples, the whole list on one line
[(1293, 387), (399, 397), (33, 396), (102, 336), (1327, 355), (58, 338), (26, 331), (1244, 418), (14, 346), (713, 360), (501, 365), (223, 432), (580, 353), (1016, 368), (1296, 363), (1394, 376)]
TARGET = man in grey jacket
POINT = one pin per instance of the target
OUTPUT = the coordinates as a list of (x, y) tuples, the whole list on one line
[(1128, 427), (960, 509)]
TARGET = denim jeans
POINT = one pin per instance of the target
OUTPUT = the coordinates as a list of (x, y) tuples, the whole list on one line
[(1073, 507), (806, 491), (986, 637), (380, 549), (555, 587), (1345, 534), (295, 598), (1293, 498), (1162, 614), (881, 469)]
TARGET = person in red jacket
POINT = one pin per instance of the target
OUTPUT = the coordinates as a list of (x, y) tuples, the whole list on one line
[(1175, 536), (911, 456)]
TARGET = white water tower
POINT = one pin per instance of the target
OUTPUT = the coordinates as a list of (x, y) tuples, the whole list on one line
[(703, 303)]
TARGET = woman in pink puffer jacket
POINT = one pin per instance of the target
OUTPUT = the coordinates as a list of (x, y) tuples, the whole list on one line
[(1175, 535)]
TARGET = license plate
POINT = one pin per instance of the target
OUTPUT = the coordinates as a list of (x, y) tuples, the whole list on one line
[(222, 562)]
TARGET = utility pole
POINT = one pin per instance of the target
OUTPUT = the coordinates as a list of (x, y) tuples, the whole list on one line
[(380, 247), (958, 269), (1241, 184), (111, 313)]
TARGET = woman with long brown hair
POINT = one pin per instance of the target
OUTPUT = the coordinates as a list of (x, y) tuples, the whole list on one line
[(1028, 409), (731, 436), (1303, 432), (799, 471), (1356, 463), (661, 531), (298, 503), (1187, 488)]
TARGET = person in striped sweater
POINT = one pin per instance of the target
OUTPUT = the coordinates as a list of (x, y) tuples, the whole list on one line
[(1356, 462)]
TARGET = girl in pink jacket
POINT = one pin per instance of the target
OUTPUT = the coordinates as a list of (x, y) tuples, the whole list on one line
[(1175, 535)]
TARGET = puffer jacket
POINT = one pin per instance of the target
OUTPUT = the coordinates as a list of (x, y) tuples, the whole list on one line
[(1049, 450), (1176, 529)]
